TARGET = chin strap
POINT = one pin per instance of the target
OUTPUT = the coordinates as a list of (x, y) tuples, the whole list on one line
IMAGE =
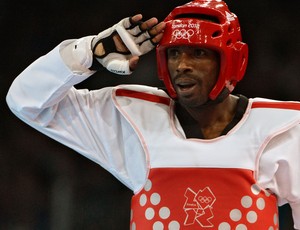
[(221, 97)]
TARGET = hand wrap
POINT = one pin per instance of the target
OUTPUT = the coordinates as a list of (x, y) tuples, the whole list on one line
[(137, 42)]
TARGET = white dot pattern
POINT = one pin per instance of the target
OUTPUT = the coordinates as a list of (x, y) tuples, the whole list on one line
[(174, 225), (241, 227), (148, 185), (153, 213), (267, 193), (149, 213), (275, 219), (158, 225), (255, 189), (249, 206), (164, 213), (235, 215), (133, 226), (246, 201), (155, 199), (224, 226), (260, 203), (251, 217), (143, 200)]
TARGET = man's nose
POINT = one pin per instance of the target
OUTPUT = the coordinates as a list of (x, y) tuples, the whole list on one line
[(184, 64)]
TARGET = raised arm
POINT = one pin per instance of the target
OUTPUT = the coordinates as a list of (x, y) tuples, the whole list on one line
[(43, 95), (46, 81)]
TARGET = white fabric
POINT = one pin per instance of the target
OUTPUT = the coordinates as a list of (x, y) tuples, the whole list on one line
[(90, 122), (77, 54)]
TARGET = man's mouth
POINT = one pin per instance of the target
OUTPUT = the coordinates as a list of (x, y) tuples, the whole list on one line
[(185, 85)]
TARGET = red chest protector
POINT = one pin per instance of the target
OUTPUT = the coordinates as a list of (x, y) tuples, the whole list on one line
[(187, 198)]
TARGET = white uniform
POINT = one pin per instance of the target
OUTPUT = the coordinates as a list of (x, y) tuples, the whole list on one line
[(228, 182)]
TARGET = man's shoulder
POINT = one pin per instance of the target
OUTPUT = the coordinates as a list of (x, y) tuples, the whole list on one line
[(272, 116)]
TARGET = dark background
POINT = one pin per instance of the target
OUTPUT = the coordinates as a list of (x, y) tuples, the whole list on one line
[(44, 185)]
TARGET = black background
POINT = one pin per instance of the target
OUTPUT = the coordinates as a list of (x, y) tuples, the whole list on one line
[(45, 185)]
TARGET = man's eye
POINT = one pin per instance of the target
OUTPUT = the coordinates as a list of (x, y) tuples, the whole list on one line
[(199, 52), (173, 52)]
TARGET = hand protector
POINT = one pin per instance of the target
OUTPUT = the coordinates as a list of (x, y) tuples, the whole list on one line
[(138, 42)]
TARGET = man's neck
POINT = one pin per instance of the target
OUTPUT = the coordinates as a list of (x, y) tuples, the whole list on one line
[(213, 119)]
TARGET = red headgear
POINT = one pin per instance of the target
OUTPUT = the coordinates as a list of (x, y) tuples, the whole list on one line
[(208, 24)]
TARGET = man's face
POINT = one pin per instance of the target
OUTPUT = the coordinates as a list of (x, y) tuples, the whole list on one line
[(194, 72)]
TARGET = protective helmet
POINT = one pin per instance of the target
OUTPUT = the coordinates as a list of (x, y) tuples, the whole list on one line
[(209, 24)]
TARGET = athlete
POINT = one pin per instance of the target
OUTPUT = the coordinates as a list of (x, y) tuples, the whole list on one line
[(195, 155)]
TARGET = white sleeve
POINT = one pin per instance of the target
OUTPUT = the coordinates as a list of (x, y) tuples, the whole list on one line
[(43, 96), (42, 84), (279, 169)]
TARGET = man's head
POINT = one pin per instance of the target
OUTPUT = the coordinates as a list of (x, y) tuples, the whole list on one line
[(205, 24)]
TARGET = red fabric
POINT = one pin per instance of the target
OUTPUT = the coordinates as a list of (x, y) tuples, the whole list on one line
[(277, 105), (193, 198), (143, 96)]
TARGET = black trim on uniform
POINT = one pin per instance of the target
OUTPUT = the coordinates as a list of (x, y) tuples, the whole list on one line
[(191, 128)]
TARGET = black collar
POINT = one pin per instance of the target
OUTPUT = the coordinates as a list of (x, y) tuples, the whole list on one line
[(190, 126)]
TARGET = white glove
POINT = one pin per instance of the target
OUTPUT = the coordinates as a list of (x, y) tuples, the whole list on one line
[(138, 42)]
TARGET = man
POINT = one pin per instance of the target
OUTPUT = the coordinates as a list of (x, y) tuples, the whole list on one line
[(195, 156)]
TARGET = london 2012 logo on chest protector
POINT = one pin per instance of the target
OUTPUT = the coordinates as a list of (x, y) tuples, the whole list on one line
[(198, 207)]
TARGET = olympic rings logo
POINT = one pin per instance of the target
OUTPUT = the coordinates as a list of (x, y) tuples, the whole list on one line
[(204, 199), (183, 34)]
